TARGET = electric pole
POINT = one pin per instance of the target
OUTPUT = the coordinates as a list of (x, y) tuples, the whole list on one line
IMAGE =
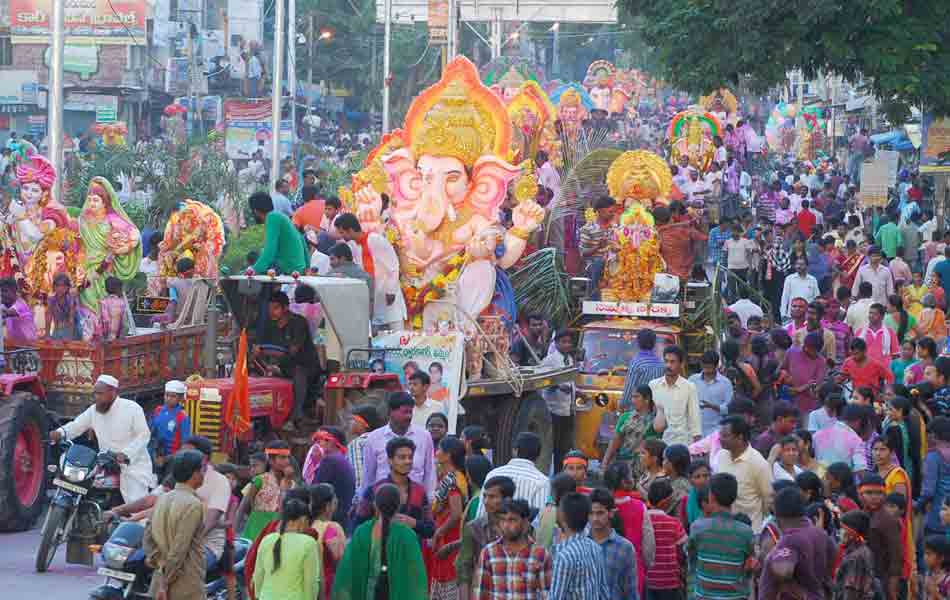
[(279, 42), (55, 95), (388, 9)]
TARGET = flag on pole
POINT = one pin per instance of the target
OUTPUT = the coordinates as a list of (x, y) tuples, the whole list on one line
[(238, 413)]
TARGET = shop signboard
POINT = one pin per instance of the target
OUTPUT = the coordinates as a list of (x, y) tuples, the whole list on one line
[(81, 58), (243, 138), (104, 21), (20, 87)]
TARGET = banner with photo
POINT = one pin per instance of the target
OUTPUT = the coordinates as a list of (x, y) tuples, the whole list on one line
[(441, 356)]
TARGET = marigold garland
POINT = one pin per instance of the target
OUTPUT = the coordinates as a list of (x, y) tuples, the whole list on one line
[(633, 279)]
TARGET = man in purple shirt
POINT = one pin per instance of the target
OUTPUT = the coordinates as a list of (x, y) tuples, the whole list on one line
[(806, 369), (17, 316), (375, 459)]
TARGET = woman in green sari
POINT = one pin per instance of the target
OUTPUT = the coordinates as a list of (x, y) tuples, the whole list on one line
[(365, 573), (112, 242)]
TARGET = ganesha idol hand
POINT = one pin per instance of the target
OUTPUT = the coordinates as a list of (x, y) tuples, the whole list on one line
[(527, 215), (369, 206)]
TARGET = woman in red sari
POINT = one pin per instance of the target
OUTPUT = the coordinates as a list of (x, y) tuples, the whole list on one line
[(848, 263), (448, 504)]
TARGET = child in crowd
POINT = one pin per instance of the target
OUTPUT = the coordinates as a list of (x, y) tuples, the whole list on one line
[(785, 465), (665, 576), (62, 311), (854, 570), (699, 474), (651, 461), (113, 310), (937, 558), (258, 464)]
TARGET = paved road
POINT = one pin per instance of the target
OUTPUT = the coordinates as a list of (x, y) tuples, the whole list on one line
[(19, 581)]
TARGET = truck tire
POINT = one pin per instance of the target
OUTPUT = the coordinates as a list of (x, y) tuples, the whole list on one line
[(23, 459), (52, 539), (528, 413)]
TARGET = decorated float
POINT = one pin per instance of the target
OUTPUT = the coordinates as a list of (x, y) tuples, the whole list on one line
[(505, 75), (447, 173), (533, 118), (723, 104), (691, 134), (790, 130)]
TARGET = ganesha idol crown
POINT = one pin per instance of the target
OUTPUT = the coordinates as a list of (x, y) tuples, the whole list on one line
[(458, 117)]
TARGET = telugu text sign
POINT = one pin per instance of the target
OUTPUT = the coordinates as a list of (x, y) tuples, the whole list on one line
[(935, 147), (108, 21), (631, 309)]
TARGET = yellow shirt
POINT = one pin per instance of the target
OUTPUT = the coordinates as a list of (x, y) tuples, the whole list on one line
[(754, 475)]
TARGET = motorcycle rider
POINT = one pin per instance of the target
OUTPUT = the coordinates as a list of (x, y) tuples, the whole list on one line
[(120, 426)]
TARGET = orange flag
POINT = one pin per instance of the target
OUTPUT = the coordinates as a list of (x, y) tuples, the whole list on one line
[(238, 412)]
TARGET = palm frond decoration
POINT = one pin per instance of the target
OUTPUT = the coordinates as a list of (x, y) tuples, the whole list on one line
[(542, 286), (584, 183)]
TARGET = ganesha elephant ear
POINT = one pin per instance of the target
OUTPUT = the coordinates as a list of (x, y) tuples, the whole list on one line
[(490, 178), (405, 179)]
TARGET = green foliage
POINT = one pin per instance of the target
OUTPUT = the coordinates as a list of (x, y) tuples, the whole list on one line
[(235, 253), (207, 175), (898, 45), (541, 286)]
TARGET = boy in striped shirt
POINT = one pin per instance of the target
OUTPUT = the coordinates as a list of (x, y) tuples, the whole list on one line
[(665, 577), (720, 546)]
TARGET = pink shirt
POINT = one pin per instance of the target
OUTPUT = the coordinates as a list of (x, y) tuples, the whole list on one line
[(20, 327), (882, 344)]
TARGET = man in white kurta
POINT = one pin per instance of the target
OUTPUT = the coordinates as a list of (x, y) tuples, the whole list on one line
[(120, 426), (379, 259)]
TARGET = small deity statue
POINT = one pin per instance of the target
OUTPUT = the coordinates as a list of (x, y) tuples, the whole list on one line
[(35, 213), (112, 242)]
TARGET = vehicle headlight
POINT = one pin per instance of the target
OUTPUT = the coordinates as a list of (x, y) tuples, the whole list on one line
[(75, 474), (115, 555)]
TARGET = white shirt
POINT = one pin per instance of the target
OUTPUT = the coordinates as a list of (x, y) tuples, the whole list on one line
[(215, 494), (739, 252), (927, 230), (797, 286), (385, 281), (755, 483), (549, 178), (421, 414), (721, 155), (857, 315), (254, 68), (122, 429), (680, 404), (530, 483), (745, 308), (320, 262), (558, 397), (779, 473)]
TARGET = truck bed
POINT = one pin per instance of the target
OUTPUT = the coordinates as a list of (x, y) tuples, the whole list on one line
[(142, 363), (533, 378)]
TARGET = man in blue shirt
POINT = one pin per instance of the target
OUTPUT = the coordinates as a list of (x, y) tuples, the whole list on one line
[(643, 368), (170, 423)]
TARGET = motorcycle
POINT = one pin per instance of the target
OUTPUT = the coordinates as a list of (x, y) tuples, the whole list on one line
[(87, 485), (127, 575)]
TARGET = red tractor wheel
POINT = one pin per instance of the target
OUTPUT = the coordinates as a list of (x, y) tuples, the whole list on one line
[(23, 457)]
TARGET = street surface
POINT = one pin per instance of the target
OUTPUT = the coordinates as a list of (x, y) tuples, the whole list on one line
[(19, 581)]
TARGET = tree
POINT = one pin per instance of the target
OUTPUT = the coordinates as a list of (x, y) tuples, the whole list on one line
[(900, 45)]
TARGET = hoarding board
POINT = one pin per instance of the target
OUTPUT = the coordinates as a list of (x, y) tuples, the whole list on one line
[(105, 21)]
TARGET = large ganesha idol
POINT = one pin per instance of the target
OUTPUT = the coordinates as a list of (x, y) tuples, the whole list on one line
[(111, 241), (36, 213), (573, 108), (447, 184), (638, 180), (193, 231), (691, 134)]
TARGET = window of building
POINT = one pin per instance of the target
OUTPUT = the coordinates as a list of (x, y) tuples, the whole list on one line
[(6, 51)]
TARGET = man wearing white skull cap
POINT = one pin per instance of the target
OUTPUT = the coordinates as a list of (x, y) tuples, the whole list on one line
[(120, 426)]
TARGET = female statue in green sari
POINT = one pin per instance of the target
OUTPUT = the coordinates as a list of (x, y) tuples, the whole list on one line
[(112, 242)]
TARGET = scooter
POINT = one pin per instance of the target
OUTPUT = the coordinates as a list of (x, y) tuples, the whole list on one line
[(87, 485), (127, 575)]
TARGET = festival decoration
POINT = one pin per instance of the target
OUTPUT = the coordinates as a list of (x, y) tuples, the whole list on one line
[(533, 115), (638, 180), (723, 104), (112, 243), (511, 68), (193, 231), (60, 251), (113, 134), (780, 128), (173, 122), (446, 184), (691, 134), (573, 108), (35, 213), (599, 82)]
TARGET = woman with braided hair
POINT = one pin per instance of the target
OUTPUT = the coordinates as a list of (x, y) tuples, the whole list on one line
[(288, 560), (383, 560)]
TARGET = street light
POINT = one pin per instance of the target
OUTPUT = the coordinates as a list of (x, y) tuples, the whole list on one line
[(326, 34)]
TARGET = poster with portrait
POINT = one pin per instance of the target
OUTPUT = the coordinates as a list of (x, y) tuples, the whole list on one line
[(441, 357)]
